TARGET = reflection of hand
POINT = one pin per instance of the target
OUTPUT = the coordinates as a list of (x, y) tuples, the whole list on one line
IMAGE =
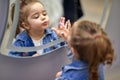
[(64, 28), (37, 54)]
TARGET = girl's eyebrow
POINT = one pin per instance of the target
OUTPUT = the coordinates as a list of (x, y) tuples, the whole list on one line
[(34, 13), (37, 12)]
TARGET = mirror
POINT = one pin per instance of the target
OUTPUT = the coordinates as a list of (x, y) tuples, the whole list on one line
[(97, 11)]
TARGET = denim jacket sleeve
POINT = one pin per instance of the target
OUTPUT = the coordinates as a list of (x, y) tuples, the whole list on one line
[(63, 78), (19, 43)]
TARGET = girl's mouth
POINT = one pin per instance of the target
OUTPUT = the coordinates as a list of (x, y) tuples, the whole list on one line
[(45, 23)]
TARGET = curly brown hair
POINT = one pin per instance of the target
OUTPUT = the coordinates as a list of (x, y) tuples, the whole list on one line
[(92, 45)]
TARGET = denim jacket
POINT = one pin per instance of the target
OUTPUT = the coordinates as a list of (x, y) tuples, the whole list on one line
[(24, 40), (78, 70)]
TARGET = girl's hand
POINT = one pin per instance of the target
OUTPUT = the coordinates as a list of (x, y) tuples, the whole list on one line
[(64, 28), (58, 74), (37, 54)]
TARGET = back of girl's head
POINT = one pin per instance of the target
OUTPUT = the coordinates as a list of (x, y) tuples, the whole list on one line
[(92, 44)]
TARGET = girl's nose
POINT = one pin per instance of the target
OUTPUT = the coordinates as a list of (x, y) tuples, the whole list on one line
[(42, 17)]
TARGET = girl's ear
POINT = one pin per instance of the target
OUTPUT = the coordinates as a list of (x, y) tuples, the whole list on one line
[(25, 25), (73, 50)]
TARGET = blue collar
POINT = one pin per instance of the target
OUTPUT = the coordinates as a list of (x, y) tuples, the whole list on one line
[(48, 31), (24, 36), (76, 64)]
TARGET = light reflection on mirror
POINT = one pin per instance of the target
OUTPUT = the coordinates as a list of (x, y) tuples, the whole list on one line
[(92, 10)]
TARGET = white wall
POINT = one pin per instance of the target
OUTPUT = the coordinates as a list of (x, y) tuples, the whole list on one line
[(113, 30)]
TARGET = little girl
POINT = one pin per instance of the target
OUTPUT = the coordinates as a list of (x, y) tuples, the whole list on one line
[(91, 48), (35, 21)]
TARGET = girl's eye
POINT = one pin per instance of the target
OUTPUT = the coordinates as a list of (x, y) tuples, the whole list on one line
[(44, 13), (35, 16)]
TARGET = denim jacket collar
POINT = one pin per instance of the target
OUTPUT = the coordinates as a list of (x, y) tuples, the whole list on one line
[(76, 64), (27, 39), (24, 36)]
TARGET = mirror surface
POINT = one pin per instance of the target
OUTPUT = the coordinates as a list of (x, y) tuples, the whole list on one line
[(93, 10)]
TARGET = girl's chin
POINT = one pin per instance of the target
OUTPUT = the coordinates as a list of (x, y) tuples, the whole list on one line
[(44, 27)]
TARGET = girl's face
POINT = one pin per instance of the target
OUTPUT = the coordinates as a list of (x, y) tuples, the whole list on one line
[(37, 18)]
